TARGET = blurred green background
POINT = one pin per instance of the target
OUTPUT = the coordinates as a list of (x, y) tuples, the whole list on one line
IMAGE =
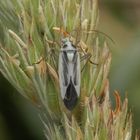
[(120, 19)]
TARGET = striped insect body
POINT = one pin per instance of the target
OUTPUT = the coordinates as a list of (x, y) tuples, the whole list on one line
[(69, 74)]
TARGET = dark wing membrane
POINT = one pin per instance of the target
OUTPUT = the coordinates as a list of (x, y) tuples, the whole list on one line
[(71, 97)]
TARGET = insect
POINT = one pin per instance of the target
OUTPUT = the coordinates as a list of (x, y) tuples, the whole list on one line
[(69, 73), (69, 69)]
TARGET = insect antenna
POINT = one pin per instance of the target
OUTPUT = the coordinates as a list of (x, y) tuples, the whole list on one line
[(99, 32), (87, 55)]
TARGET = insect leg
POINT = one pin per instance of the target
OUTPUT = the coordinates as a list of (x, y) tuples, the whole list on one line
[(50, 56), (51, 53), (87, 56), (42, 58), (54, 60)]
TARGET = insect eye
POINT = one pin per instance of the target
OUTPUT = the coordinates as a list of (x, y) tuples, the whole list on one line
[(65, 46)]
